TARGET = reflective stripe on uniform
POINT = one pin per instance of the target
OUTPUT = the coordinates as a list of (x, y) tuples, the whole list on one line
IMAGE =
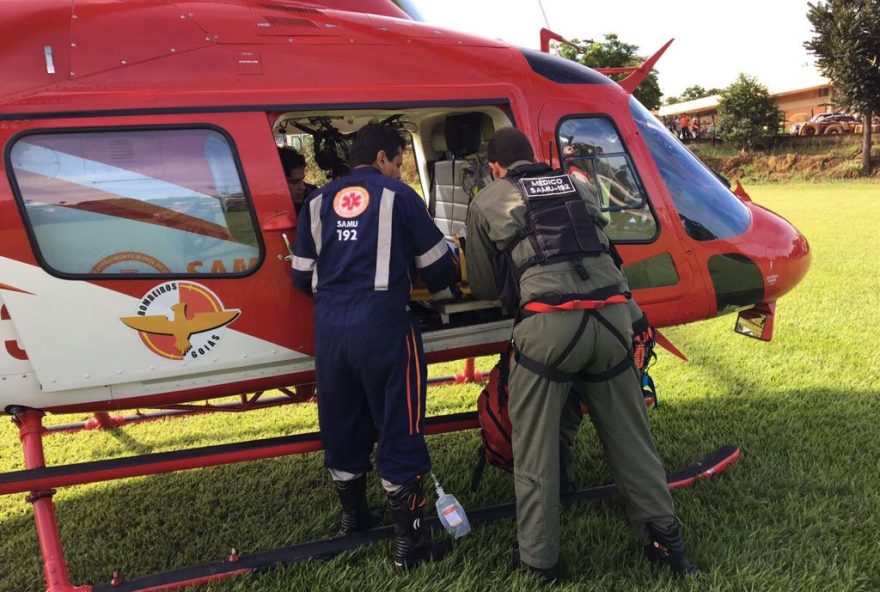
[(317, 225), (303, 264), (408, 384), (432, 255), (317, 228), (418, 367), (383, 242)]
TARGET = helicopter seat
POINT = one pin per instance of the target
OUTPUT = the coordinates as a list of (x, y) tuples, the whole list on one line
[(449, 200), (458, 141)]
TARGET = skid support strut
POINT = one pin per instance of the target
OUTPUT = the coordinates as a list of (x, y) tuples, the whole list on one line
[(30, 432), (468, 374)]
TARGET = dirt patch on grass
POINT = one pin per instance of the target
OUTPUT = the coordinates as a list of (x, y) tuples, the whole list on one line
[(763, 168)]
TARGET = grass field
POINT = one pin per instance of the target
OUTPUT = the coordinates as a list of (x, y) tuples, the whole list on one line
[(800, 511)]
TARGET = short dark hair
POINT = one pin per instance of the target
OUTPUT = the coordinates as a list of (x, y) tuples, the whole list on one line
[(291, 159), (509, 145), (372, 138)]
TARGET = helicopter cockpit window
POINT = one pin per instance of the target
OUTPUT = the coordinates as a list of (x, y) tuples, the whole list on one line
[(149, 202), (595, 157), (708, 210)]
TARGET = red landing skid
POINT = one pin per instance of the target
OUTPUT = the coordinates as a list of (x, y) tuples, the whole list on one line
[(40, 480), (300, 394)]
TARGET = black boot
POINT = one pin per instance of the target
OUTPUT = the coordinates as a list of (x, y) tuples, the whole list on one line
[(412, 539), (549, 576), (667, 547), (356, 513)]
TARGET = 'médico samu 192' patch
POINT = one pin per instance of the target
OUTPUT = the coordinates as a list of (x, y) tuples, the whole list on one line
[(547, 186)]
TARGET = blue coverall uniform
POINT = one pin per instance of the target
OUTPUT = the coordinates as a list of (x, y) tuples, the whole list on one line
[(360, 241)]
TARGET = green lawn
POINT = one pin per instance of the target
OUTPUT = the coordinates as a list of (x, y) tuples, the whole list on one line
[(800, 511)]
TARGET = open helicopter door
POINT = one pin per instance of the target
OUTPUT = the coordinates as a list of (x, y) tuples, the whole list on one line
[(599, 152), (141, 241)]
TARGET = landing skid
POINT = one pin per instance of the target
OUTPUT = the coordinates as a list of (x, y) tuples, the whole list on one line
[(40, 481), (712, 465)]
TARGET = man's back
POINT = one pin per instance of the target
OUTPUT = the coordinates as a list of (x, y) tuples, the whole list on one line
[(368, 233), (501, 212)]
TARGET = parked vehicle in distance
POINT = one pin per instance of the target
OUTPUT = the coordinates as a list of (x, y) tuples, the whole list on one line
[(875, 126), (827, 124)]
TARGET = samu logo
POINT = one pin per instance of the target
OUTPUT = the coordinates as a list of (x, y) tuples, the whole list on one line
[(178, 320), (351, 202)]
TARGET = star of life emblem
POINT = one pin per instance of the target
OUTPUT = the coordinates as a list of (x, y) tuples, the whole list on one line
[(351, 202)]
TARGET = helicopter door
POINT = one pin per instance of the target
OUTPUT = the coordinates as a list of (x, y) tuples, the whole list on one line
[(594, 150), (149, 256)]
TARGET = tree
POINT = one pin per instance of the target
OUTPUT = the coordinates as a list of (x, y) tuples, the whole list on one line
[(614, 53), (748, 116), (693, 93), (847, 49)]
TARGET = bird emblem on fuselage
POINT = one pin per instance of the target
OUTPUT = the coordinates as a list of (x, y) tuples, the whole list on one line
[(180, 326)]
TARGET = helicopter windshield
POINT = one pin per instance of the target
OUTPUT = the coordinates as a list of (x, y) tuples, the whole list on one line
[(708, 210)]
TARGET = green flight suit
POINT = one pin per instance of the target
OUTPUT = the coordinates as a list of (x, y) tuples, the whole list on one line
[(543, 413)]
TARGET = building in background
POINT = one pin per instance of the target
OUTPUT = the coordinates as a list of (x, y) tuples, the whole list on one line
[(798, 106)]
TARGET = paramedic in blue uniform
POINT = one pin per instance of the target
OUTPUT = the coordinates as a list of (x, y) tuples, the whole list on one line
[(360, 242)]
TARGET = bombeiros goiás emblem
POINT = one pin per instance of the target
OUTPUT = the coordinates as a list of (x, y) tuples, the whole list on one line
[(181, 320)]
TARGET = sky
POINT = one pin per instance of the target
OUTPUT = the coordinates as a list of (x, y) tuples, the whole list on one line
[(714, 41)]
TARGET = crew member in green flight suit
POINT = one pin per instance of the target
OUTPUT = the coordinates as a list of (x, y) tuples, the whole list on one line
[(575, 324)]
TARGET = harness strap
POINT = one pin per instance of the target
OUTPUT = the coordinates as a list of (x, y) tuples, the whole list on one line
[(626, 345), (551, 372), (477, 475), (606, 375), (542, 370), (598, 294), (575, 304)]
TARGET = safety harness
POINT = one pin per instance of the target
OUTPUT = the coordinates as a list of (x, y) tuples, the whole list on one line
[(492, 403), (559, 228), (590, 306)]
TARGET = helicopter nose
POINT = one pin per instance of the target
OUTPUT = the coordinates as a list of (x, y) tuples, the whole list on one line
[(786, 256)]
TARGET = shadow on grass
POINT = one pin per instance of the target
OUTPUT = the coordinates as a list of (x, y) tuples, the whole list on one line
[(798, 512), (129, 443)]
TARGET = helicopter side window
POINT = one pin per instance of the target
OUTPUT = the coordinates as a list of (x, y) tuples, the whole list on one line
[(150, 202), (595, 157), (708, 210)]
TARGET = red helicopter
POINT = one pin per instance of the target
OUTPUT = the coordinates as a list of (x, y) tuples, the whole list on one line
[(144, 212)]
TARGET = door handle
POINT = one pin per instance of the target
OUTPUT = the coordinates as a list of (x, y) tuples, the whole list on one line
[(289, 256)]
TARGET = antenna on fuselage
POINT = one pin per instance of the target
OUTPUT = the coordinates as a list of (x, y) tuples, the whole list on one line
[(543, 12), (547, 35)]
